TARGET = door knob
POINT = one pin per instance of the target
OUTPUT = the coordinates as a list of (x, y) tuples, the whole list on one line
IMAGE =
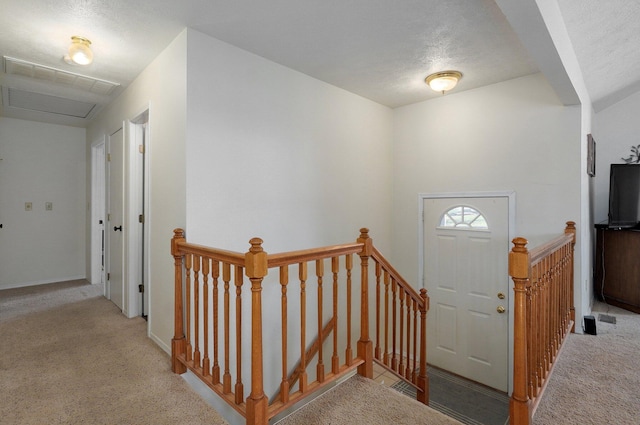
[(115, 229), (501, 295), (500, 309)]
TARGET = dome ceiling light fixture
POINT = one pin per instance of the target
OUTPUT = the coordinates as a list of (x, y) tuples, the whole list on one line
[(79, 51), (443, 81)]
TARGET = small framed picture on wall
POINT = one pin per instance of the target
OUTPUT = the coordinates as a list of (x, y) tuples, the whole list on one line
[(591, 156)]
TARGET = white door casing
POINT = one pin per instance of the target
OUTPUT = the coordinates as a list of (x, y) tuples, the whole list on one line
[(98, 218), (115, 218), (465, 270)]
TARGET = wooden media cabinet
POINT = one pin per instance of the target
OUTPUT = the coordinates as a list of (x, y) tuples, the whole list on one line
[(617, 267)]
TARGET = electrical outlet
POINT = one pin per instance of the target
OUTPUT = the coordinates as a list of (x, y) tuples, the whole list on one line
[(48, 206), (28, 206)]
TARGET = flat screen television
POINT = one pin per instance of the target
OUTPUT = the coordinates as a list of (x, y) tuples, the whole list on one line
[(624, 195)]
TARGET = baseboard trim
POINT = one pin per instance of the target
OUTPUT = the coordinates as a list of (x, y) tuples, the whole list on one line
[(40, 282)]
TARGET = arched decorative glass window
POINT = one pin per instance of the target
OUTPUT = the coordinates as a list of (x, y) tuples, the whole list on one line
[(464, 218)]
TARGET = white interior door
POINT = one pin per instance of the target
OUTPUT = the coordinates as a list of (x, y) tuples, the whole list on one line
[(465, 257), (115, 218)]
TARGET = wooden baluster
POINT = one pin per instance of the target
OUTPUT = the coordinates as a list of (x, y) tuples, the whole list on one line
[(520, 403), (256, 269), (284, 386), (565, 291), (196, 310), (226, 378), (414, 368), (386, 318), (544, 326), (378, 351), (571, 229), (302, 275), (401, 295), (206, 365), (407, 372), (320, 365), (553, 309), (335, 359), (394, 292), (365, 345), (423, 379), (239, 388), (349, 350), (215, 274), (178, 346), (532, 343), (188, 266)]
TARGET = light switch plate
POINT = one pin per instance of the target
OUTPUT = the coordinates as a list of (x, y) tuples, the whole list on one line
[(48, 206)]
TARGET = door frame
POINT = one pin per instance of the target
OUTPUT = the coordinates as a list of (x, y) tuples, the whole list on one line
[(137, 237), (511, 198), (98, 210), (136, 185)]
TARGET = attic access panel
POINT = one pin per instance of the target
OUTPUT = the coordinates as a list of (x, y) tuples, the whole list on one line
[(22, 99)]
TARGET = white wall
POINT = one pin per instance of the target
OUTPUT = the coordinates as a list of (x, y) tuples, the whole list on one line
[(279, 155), (161, 88), (41, 163), (511, 136), (616, 129)]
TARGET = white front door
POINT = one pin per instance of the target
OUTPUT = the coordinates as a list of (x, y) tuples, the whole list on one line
[(115, 217), (465, 257)]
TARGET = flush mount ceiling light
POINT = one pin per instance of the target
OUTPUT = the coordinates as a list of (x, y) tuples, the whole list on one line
[(443, 81), (79, 52)]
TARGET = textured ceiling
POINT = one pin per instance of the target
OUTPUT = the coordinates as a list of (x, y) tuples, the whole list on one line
[(379, 49), (606, 38)]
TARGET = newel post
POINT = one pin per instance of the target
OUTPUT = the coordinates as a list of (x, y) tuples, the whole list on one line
[(423, 378), (178, 341), (520, 404), (365, 345), (256, 269), (571, 229)]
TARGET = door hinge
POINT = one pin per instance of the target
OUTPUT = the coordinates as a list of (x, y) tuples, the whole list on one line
[(108, 276), (108, 157), (108, 217), (141, 149), (141, 218), (141, 288)]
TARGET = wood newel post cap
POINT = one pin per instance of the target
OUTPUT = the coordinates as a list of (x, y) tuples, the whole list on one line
[(256, 260), (178, 234), (425, 298), (256, 245), (520, 245), (519, 259), (367, 241), (571, 228)]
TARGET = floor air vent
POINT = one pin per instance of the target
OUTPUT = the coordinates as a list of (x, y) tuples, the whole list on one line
[(31, 101)]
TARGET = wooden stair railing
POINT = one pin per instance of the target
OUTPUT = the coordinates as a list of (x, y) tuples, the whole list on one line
[(208, 338), (310, 353), (544, 315)]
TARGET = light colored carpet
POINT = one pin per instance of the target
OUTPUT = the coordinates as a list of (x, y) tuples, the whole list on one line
[(68, 356), (363, 401), (597, 378)]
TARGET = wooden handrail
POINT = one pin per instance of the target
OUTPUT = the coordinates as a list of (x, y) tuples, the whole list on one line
[(543, 316), (306, 255), (204, 281)]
